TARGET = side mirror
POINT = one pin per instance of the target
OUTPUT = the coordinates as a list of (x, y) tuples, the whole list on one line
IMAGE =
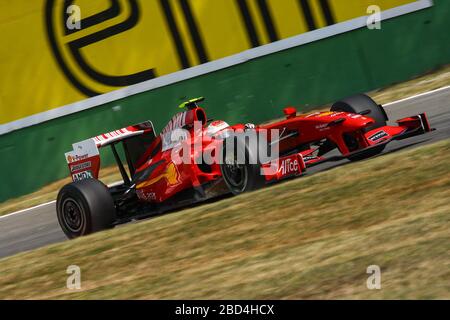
[(290, 112)]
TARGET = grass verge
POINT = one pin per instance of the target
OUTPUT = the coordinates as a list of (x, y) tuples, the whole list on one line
[(312, 237), (427, 82)]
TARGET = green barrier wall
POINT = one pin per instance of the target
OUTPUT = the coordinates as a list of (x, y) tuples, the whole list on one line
[(255, 91)]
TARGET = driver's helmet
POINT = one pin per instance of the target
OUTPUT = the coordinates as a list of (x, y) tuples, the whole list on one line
[(216, 126)]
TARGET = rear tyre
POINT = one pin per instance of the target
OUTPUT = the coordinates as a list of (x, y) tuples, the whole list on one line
[(240, 167), (84, 207), (359, 104)]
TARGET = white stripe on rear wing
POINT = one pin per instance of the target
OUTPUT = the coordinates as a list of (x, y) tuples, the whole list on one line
[(114, 136)]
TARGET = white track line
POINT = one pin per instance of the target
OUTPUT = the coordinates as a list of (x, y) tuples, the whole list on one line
[(47, 203), (28, 209), (417, 96), (385, 105)]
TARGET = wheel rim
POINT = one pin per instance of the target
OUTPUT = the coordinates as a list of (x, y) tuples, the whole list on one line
[(235, 174), (72, 215)]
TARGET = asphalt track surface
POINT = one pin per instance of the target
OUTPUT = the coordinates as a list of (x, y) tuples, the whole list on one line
[(37, 227)]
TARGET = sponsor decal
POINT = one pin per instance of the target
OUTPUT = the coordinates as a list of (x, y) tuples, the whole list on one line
[(177, 121), (169, 141), (171, 175), (377, 136), (74, 158), (146, 196), (81, 151), (81, 166), (323, 127), (289, 166), (172, 139), (324, 114), (82, 175), (309, 158)]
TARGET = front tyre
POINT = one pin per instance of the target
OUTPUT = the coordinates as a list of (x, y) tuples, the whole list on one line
[(359, 104), (363, 103), (240, 167), (84, 207)]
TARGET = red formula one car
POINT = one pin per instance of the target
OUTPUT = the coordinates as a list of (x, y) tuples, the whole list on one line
[(195, 158)]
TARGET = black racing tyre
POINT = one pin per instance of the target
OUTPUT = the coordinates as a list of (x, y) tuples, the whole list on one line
[(360, 103), (240, 166), (85, 207)]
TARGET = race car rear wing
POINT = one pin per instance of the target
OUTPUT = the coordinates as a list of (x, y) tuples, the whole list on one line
[(84, 160)]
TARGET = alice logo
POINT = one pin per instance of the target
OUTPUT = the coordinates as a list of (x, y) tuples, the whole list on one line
[(74, 280), (374, 280)]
